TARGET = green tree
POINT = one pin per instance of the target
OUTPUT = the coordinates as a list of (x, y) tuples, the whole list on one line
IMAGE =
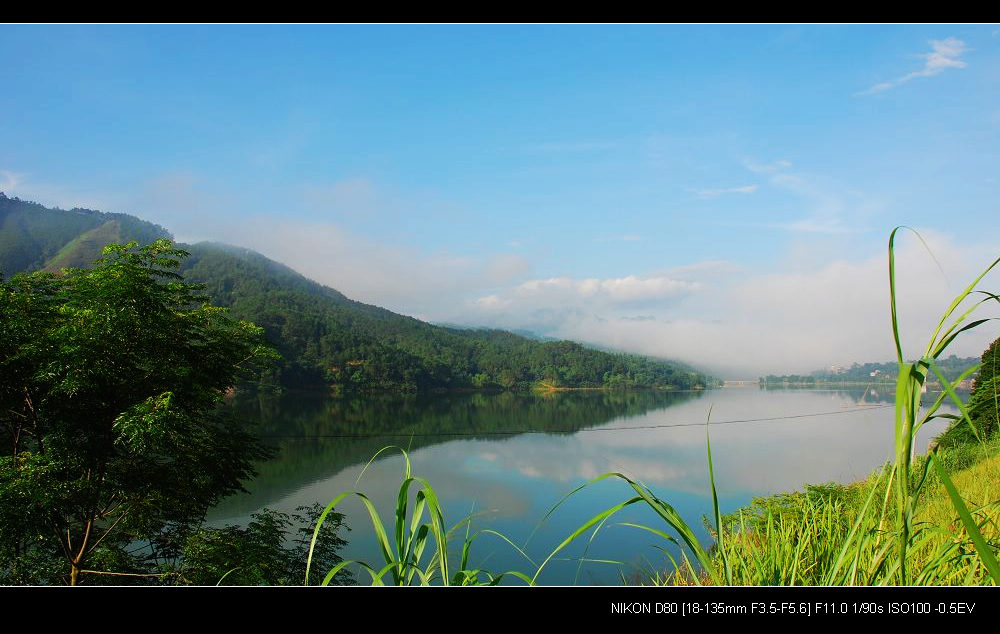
[(982, 404), (259, 554), (110, 381), (985, 395)]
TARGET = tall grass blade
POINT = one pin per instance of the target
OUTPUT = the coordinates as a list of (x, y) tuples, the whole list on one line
[(319, 524), (950, 391), (982, 546), (437, 528), (852, 541), (600, 517), (931, 411), (892, 296), (958, 300), (715, 508)]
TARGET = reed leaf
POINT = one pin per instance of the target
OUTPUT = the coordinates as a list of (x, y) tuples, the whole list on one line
[(983, 548)]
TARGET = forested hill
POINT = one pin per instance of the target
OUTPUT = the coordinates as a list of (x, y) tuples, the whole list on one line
[(34, 237), (324, 337)]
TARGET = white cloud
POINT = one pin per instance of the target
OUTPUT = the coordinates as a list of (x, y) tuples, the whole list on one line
[(549, 306), (402, 279), (501, 269), (741, 324), (767, 168), (614, 290), (9, 180), (715, 193), (493, 302), (944, 54), (706, 268), (816, 224)]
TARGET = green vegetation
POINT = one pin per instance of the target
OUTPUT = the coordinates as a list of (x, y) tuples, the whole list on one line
[(881, 374), (984, 414), (259, 554), (110, 380)]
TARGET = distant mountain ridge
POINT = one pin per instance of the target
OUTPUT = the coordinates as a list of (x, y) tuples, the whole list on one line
[(323, 336)]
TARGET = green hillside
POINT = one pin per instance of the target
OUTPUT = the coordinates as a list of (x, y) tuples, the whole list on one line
[(328, 338), (34, 237), (324, 337)]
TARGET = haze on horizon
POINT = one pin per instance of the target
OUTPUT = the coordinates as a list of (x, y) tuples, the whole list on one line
[(721, 195)]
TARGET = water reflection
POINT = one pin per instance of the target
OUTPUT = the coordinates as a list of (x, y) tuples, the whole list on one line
[(476, 451)]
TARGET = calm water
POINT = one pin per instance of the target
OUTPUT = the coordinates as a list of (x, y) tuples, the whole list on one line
[(513, 457)]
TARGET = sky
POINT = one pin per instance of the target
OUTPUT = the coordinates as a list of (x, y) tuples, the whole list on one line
[(717, 194)]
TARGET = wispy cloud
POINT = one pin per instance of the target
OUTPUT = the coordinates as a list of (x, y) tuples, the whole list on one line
[(618, 289), (816, 224), (767, 168), (715, 193), (9, 180), (493, 302), (944, 54), (706, 268), (628, 237), (829, 208)]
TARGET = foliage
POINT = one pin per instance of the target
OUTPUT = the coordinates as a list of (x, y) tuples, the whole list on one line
[(109, 384), (258, 554), (984, 401)]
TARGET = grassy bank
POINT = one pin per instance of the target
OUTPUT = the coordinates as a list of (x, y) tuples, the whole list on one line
[(847, 534)]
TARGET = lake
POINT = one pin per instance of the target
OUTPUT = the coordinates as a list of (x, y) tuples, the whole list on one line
[(510, 458)]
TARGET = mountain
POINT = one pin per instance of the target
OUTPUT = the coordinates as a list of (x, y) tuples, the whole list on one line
[(34, 237), (323, 336)]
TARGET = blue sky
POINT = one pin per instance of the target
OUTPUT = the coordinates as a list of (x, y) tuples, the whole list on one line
[(719, 194)]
